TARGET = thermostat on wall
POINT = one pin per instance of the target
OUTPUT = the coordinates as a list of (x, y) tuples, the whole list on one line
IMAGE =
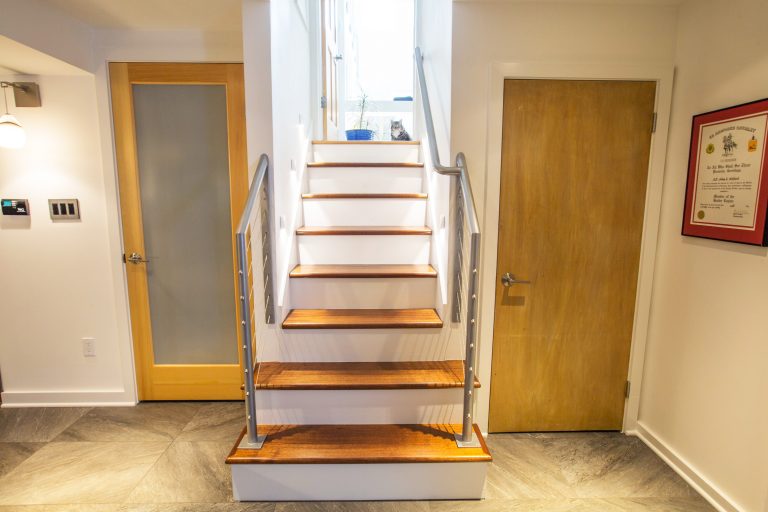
[(15, 206)]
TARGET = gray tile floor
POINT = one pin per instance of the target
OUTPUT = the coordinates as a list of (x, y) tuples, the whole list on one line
[(170, 457)]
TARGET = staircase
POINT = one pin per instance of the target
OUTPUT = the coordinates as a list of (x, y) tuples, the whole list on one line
[(371, 407)]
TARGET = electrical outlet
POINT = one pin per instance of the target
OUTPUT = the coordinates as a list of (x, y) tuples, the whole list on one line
[(89, 347)]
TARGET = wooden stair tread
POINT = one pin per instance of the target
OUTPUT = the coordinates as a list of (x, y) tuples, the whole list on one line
[(359, 444), (378, 142), (364, 164), (364, 196), (302, 271), (362, 319), (364, 230), (361, 375)]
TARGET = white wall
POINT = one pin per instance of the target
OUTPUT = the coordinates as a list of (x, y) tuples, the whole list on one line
[(706, 375), (70, 153), (56, 279), (433, 36), (291, 131), (485, 33)]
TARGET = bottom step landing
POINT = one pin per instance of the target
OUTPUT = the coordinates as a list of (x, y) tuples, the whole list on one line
[(359, 462)]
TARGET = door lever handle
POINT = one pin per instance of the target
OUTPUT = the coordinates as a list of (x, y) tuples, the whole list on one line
[(509, 279), (135, 258)]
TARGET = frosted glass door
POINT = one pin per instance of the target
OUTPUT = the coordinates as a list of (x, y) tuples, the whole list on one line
[(181, 141)]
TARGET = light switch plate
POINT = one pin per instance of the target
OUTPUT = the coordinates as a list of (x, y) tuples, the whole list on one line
[(64, 209)]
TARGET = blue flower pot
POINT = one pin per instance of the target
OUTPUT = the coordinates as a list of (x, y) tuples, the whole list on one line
[(359, 134)]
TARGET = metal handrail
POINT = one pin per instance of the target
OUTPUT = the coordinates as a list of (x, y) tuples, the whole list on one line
[(258, 188), (459, 171)]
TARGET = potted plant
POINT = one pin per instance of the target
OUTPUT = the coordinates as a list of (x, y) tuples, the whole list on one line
[(361, 131)]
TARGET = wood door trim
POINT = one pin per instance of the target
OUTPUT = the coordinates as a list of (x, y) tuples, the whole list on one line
[(122, 76), (128, 188), (663, 75), (634, 92)]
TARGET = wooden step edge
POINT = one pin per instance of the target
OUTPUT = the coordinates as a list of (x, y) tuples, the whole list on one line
[(364, 142), (359, 444), (362, 230), (362, 319), (344, 376), (363, 271), (363, 196), (365, 164)]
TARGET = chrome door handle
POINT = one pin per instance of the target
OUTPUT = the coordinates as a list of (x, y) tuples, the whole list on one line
[(135, 258), (510, 279), (338, 57)]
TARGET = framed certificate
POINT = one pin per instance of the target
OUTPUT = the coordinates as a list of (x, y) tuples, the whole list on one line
[(727, 193)]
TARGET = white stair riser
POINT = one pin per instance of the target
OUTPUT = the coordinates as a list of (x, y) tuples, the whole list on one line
[(365, 212), (359, 407), (362, 482), (360, 345), (378, 153), (364, 249), (361, 180), (363, 293)]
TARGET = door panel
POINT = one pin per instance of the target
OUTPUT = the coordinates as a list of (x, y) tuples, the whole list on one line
[(180, 144), (181, 136), (574, 169)]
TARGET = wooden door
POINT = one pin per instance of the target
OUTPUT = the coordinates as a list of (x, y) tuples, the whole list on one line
[(331, 72), (182, 168), (573, 179)]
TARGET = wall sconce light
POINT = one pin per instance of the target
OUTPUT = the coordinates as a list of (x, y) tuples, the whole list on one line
[(26, 94)]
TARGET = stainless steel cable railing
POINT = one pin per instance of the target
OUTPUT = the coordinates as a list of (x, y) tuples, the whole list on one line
[(256, 214), (465, 212)]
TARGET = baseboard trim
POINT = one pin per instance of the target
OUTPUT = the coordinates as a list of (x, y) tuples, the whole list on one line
[(709, 491), (66, 399)]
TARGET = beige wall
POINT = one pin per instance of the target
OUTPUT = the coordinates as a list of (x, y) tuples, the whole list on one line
[(485, 33), (68, 278), (57, 286), (705, 391)]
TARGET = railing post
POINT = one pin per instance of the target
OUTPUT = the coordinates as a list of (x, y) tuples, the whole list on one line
[(466, 438), (465, 205), (252, 439)]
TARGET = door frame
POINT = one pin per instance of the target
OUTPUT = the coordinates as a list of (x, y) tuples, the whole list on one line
[(175, 381), (663, 75)]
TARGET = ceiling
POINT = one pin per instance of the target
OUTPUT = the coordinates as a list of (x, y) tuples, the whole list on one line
[(204, 15), (20, 59)]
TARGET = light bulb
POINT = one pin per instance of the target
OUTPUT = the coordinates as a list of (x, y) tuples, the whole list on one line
[(11, 133)]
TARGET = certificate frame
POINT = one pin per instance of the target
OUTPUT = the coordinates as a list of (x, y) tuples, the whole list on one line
[(726, 195)]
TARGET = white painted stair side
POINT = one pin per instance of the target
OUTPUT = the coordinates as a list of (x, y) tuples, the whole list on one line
[(364, 249), (361, 482), (361, 152), (365, 180), (363, 292), (361, 345), (365, 212), (361, 407)]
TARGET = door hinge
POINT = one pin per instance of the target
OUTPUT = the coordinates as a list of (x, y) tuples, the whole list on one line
[(323, 102), (627, 387), (655, 118)]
